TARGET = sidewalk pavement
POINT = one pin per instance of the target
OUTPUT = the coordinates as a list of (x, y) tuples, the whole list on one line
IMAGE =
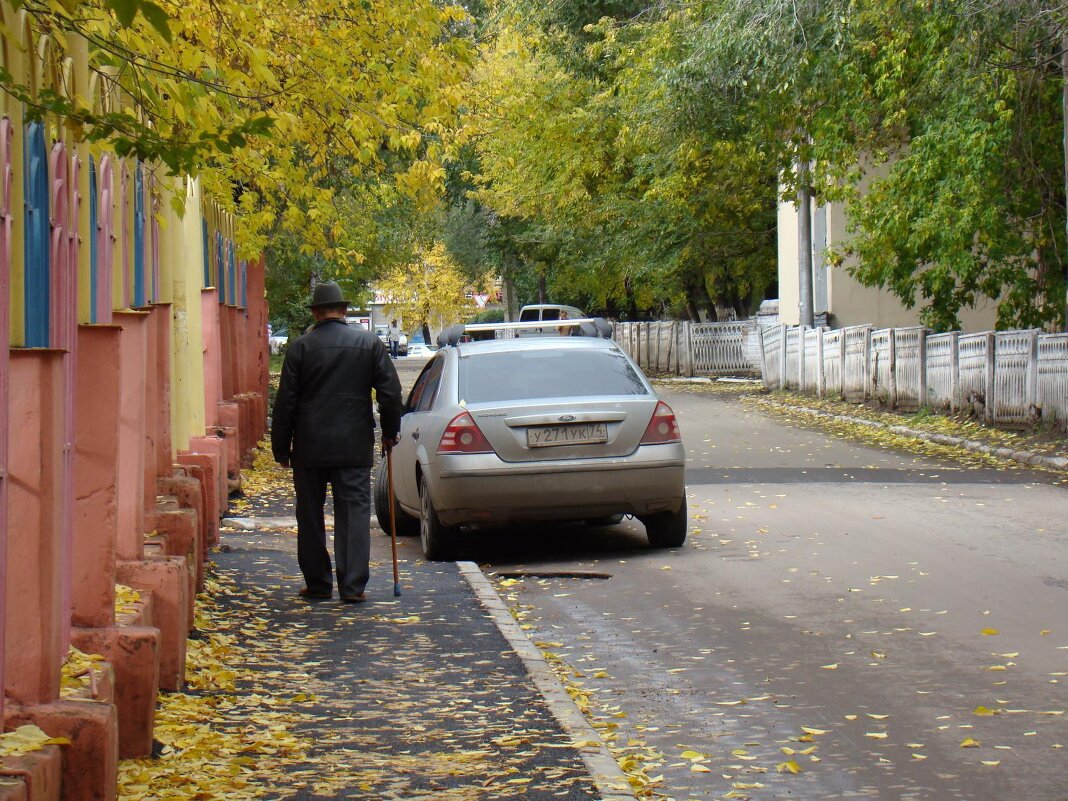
[(416, 697)]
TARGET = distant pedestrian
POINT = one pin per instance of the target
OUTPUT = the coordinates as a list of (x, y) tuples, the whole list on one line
[(394, 339), (323, 426)]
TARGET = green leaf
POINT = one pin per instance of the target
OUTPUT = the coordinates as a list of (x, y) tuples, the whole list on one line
[(157, 18), (125, 11)]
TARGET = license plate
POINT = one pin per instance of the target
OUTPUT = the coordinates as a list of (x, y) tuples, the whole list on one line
[(578, 434)]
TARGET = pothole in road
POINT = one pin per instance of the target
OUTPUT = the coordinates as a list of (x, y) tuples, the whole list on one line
[(570, 574)]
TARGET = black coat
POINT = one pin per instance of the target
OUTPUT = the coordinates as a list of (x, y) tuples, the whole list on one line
[(322, 414)]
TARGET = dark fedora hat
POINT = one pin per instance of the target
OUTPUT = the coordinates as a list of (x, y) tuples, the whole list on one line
[(327, 294)]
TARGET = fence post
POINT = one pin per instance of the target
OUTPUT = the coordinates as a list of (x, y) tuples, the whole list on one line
[(842, 363), (659, 340), (801, 357), (989, 389), (782, 357), (893, 368), (821, 378), (670, 345), (1032, 374), (763, 357), (921, 378), (867, 363), (638, 345), (954, 371)]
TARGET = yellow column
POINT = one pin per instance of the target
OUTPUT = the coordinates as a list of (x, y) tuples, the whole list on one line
[(20, 65), (78, 52), (181, 239)]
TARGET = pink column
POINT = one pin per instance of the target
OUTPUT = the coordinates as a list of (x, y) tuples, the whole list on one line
[(126, 241), (226, 350), (63, 319), (130, 509), (164, 316), (5, 295), (152, 203), (34, 611), (151, 398), (209, 307), (96, 475)]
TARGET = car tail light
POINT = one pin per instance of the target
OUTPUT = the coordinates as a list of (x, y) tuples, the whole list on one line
[(462, 435), (663, 427)]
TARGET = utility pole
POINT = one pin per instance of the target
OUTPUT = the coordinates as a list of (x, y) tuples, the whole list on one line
[(1064, 111), (804, 242)]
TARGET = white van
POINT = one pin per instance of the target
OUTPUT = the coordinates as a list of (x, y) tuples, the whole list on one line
[(550, 312)]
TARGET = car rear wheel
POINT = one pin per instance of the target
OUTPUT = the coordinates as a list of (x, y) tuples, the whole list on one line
[(439, 542), (407, 526), (666, 530)]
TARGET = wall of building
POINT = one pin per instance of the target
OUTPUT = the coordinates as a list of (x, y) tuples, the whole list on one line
[(133, 371), (841, 295)]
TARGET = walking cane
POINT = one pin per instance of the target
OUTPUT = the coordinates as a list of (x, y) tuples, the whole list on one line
[(393, 522)]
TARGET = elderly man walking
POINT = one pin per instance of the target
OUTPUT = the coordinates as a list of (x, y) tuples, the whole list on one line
[(323, 426)]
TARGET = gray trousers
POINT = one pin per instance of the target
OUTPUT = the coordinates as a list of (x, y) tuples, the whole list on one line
[(351, 490)]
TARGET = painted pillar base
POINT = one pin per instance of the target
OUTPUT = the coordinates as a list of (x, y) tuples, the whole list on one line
[(178, 534), (167, 578), (90, 762), (231, 438), (35, 615), (189, 495), (39, 774), (205, 468), (231, 416), (214, 446), (244, 403), (95, 475), (133, 652), (12, 789)]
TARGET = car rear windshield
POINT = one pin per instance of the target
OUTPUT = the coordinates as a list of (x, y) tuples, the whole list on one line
[(543, 373)]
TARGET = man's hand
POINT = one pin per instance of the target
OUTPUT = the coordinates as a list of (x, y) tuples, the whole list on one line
[(388, 443)]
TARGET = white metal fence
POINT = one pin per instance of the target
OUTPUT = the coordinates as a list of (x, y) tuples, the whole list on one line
[(690, 349), (1003, 377)]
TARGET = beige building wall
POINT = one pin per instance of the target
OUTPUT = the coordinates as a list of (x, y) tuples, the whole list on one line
[(789, 285), (850, 302)]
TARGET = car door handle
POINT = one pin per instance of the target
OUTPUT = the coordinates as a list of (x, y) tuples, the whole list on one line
[(415, 435)]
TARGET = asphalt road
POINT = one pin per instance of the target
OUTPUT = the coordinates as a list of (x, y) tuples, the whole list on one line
[(862, 615)]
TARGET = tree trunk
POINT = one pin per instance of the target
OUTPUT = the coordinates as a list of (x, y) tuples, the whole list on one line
[(541, 287), (804, 243), (511, 312)]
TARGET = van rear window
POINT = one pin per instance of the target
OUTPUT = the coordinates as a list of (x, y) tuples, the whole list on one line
[(542, 373)]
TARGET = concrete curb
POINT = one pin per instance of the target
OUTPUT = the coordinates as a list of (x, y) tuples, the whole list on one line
[(1028, 458), (607, 776)]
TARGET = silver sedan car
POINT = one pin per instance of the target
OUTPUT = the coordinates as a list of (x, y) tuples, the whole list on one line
[(531, 430)]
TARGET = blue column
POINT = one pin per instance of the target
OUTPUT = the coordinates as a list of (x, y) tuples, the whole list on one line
[(35, 193), (220, 268), (232, 266), (207, 254), (139, 298)]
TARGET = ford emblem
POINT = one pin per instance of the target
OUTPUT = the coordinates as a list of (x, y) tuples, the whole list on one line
[(567, 418)]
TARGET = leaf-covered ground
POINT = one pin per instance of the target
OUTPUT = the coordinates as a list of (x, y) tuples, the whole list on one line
[(809, 411), (417, 697)]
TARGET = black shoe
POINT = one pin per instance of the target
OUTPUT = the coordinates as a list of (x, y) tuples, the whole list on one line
[(314, 596), (359, 598)]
